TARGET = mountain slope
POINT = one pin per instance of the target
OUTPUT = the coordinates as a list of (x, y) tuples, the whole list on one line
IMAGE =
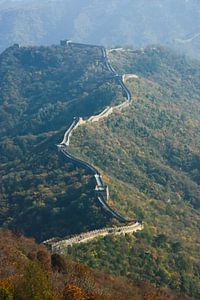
[(29, 271), (42, 89), (150, 153)]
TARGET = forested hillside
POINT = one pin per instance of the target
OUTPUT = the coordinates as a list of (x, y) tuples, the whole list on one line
[(111, 23), (42, 89), (28, 271), (151, 156), (148, 153)]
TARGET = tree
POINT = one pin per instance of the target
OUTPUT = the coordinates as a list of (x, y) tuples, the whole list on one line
[(73, 292), (35, 284), (6, 290)]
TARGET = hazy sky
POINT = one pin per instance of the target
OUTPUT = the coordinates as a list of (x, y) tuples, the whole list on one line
[(175, 23)]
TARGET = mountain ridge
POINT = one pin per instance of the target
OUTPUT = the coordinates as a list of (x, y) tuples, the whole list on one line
[(109, 23)]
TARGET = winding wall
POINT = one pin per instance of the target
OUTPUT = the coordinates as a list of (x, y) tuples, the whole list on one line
[(101, 189)]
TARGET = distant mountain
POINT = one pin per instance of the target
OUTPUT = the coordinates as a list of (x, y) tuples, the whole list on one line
[(168, 22)]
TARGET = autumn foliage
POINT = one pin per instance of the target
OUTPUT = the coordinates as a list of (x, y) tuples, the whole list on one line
[(29, 272)]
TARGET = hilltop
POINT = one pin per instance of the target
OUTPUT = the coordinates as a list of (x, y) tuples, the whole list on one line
[(115, 22)]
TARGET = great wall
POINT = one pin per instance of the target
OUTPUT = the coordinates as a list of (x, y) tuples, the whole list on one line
[(59, 246), (101, 190)]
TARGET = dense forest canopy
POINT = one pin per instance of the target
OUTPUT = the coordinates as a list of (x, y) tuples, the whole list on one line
[(149, 155), (28, 271), (42, 89)]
